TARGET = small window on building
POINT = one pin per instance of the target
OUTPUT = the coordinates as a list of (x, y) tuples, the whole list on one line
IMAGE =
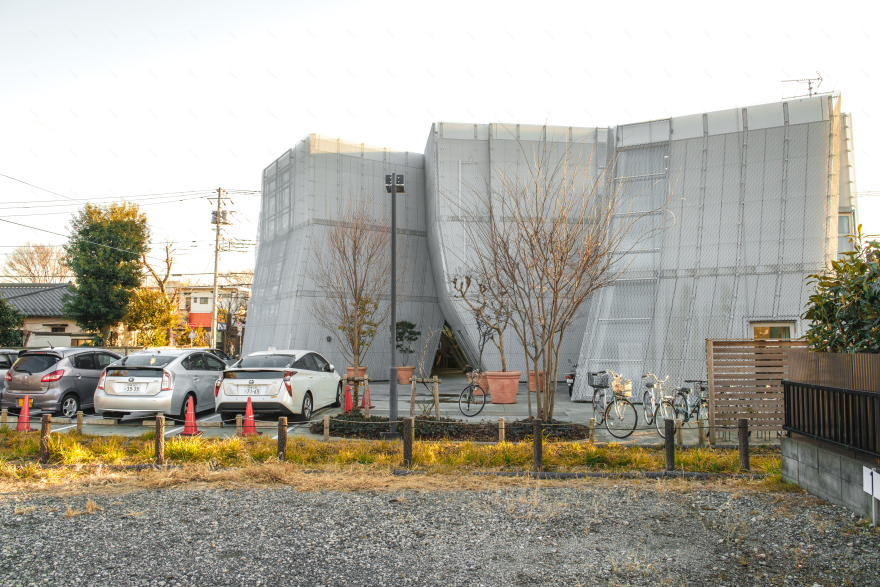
[(844, 224), (204, 300), (772, 330), (58, 329), (188, 302)]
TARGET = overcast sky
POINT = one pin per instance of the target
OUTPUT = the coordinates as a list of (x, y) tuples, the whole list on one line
[(104, 100)]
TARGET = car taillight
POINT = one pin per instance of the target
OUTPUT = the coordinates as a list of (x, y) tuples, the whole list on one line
[(217, 385), (8, 375), (101, 380), (167, 380), (287, 376), (53, 376)]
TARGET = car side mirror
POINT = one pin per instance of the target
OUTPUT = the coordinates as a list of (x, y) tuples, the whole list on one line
[(331, 368)]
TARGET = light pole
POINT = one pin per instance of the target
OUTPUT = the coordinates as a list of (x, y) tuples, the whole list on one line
[(393, 185)]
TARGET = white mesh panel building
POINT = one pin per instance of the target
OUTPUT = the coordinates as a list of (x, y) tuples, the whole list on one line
[(755, 194)]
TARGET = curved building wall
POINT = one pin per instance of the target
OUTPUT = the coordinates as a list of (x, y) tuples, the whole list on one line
[(303, 193)]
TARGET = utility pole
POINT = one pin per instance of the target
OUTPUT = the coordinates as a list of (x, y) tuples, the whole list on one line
[(217, 220)]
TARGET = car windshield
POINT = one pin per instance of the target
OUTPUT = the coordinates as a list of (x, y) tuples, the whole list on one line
[(144, 361), (34, 363), (267, 362)]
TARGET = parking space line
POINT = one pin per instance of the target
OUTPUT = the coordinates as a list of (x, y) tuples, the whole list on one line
[(65, 428), (173, 430), (288, 433)]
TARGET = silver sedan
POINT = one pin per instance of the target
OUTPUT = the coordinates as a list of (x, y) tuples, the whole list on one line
[(154, 381)]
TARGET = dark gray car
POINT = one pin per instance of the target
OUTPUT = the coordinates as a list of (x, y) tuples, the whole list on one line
[(7, 358), (59, 380)]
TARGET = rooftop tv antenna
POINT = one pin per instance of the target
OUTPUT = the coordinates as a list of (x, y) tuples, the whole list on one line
[(809, 81)]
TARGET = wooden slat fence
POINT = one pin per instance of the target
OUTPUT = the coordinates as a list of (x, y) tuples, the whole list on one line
[(860, 372), (745, 381)]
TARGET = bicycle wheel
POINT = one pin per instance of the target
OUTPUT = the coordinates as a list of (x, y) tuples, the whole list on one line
[(472, 400), (599, 406), (664, 412), (648, 406), (621, 418), (683, 411)]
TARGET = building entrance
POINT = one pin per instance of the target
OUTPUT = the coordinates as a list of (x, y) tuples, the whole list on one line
[(449, 358)]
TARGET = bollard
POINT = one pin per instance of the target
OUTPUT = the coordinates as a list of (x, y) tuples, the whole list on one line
[(160, 439), (4, 418), (679, 435), (407, 442), (743, 444), (282, 438), (538, 437), (79, 422), (701, 432), (592, 429), (326, 428), (501, 429), (669, 430), (238, 428), (45, 432)]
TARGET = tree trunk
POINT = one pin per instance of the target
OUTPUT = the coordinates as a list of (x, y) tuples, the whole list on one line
[(105, 335)]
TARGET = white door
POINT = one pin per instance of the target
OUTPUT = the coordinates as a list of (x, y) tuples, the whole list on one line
[(327, 383)]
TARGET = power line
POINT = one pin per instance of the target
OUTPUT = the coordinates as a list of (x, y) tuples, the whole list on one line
[(74, 211)]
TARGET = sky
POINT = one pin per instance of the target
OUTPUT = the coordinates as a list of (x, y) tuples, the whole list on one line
[(162, 102)]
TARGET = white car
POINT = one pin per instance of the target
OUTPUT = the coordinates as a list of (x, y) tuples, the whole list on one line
[(290, 383)]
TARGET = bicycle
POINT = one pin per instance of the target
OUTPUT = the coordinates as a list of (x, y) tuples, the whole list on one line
[(681, 408), (621, 417), (599, 382), (473, 397), (651, 396)]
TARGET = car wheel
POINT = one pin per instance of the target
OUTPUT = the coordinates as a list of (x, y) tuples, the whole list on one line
[(69, 406), (306, 413), (339, 395), (182, 414)]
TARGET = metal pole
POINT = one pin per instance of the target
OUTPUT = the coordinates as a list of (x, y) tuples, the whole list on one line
[(392, 378), (216, 258)]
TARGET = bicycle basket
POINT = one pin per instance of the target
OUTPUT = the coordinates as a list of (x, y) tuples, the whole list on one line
[(622, 387), (598, 380)]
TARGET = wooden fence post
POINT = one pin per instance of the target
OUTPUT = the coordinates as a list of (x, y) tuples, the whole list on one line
[(710, 374), (407, 442), (327, 428), (437, 397), (4, 417), (701, 431), (45, 432), (669, 430), (160, 439), (743, 430), (344, 394), (592, 429), (79, 422), (412, 398), (538, 437), (679, 435), (501, 429), (238, 427), (366, 396), (282, 438)]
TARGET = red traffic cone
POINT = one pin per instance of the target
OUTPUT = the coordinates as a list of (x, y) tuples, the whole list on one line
[(349, 406), (365, 397), (24, 418), (189, 428), (250, 427)]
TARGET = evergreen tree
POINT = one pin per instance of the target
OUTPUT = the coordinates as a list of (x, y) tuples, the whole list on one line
[(10, 324)]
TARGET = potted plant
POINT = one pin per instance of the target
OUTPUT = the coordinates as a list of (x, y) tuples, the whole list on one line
[(406, 335), (488, 304)]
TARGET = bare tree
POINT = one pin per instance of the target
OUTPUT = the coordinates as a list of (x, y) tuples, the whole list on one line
[(38, 263), (232, 307), (241, 277), (162, 282), (546, 234), (351, 267)]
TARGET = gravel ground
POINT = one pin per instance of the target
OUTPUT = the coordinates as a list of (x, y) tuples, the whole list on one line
[(598, 533)]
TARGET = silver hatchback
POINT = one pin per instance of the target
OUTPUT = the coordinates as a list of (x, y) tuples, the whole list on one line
[(154, 381), (59, 380)]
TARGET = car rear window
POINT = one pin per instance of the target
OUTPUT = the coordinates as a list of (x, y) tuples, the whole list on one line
[(267, 361), (144, 361), (254, 374), (125, 372), (35, 363)]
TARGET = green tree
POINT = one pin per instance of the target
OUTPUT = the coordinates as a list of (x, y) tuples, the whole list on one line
[(10, 324), (406, 335), (104, 253), (844, 311), (151, 313)]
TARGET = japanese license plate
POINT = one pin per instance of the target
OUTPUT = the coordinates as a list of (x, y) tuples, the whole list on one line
[(253, 390), (30, 402), (131, 389)]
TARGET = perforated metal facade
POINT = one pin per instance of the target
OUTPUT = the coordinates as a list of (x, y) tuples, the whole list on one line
[(754, 193)]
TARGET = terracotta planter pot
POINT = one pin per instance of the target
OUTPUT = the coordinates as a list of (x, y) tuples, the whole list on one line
[(532, 380), (404, 373), (502, 386), (362, 371)]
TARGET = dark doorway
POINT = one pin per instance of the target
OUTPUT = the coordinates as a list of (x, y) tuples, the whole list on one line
[(450, 357)]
